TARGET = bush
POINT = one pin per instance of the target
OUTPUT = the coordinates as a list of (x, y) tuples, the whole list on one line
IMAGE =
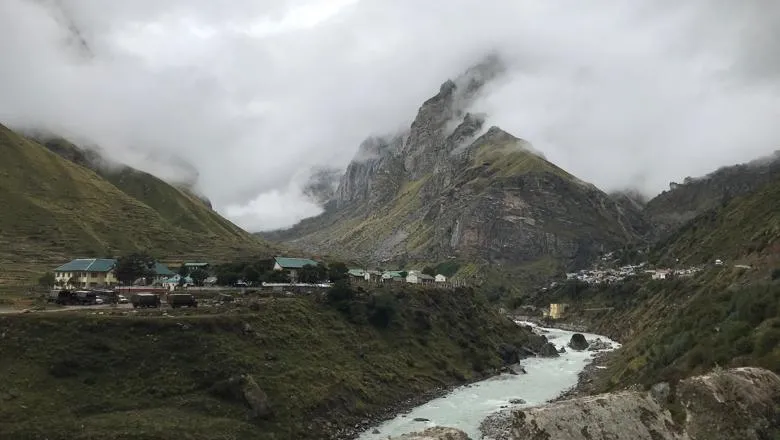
[(776, 274), (340, 292), (384, 308)]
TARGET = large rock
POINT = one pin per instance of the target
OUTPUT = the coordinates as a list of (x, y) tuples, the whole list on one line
[(509, 353), (549, 350), (245, 389), (578, 342), (734, 404), (437, 433)]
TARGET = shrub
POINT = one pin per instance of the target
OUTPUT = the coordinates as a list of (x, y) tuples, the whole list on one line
[(384, 308)]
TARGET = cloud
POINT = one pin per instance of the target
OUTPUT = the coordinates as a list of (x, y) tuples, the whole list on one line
[(255, 94)]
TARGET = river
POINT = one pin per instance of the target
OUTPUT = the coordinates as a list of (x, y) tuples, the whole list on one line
[(466, 407)]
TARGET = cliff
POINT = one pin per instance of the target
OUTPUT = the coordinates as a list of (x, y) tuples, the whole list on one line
[(450, 188), (724, 405)]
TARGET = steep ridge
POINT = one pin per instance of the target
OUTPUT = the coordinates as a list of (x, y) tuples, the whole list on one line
[(684, 201), (178, 205), (451, 189), (55, 209)]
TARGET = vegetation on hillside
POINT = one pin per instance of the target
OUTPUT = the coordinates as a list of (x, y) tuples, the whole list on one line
[(55, 210), (726, 315), (323, 364)]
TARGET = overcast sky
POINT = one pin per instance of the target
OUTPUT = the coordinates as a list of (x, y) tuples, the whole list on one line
[(254, 93)]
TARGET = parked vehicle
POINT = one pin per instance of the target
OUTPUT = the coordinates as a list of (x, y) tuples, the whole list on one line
[(182, 300), (145, 300), (64, 297), (86, 297), (121, 299)]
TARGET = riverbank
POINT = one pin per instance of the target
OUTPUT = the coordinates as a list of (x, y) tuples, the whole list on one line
[(466, 407)]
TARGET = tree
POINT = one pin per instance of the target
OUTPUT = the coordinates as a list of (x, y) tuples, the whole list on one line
[(199, 276), (337, 271), (251, 274), (403, 273), (183, 270), (428, 270), (279, 276), (47, 280), (131, 267), (312, 274)]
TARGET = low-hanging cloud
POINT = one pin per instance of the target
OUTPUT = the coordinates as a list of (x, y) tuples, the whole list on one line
[(255, 94)]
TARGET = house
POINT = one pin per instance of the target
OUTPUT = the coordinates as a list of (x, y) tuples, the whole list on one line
[(372, 275), (194, 265), (161, 272), (558, 310), (416, 277), (440, 278), (86, 272), (392, 275), (292, 265), (356, 274), (661, 274), (172, 283)]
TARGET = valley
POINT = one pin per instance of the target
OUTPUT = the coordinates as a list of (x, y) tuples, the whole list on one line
[(405, 287)]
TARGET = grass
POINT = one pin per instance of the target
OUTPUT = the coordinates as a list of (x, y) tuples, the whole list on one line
[(85, 376), (55, 210)]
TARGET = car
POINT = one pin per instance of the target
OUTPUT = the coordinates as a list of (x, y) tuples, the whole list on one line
[(121, 299), (99, 300)]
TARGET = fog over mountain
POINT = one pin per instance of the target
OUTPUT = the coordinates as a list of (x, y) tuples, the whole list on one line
[(254, 95)]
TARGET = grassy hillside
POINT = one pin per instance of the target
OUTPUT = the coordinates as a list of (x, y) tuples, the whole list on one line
[(725, 315), (55, 209), (136, 376)]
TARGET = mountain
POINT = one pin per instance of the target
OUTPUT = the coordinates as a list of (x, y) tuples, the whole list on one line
[(450, 188), (55, 209), (684, 201)]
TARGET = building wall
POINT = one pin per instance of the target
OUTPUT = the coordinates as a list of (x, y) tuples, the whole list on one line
[(87, 279), (557, 310)]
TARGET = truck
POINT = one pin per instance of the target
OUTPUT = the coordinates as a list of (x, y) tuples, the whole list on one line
[(64, 297), (182, 300), (145, 300)]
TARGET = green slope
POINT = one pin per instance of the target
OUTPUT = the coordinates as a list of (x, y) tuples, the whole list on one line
[(146, 376), (725, 315), (55, 209)]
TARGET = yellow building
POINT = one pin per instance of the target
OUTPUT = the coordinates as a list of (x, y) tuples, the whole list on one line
[(558, 310), (86, 272)]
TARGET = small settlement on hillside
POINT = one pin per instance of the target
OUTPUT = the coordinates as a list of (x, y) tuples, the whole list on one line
[(100, 272)]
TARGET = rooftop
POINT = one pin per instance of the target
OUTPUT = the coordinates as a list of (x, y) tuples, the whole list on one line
[(294, 263), (88, 265)]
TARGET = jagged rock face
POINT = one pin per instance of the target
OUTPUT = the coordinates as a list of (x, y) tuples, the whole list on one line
[(449, 189), (322, 185), (684, 201), (734, 404)]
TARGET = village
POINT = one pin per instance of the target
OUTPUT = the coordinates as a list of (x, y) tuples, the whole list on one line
[(97, 280)]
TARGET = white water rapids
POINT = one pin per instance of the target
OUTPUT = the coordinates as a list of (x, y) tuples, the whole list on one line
[(466, 407)]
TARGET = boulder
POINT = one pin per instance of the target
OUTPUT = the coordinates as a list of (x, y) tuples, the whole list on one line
[(661, 392), (437, 433), (509, 353), (548, 350), (598, 344), (517, 401), (578, 342), (245, 389), (562, 350)]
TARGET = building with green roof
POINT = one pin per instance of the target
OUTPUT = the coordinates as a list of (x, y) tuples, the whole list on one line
[(86, 272), (292, 265)]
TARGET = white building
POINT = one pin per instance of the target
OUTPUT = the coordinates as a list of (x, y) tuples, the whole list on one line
[(440, 278)]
